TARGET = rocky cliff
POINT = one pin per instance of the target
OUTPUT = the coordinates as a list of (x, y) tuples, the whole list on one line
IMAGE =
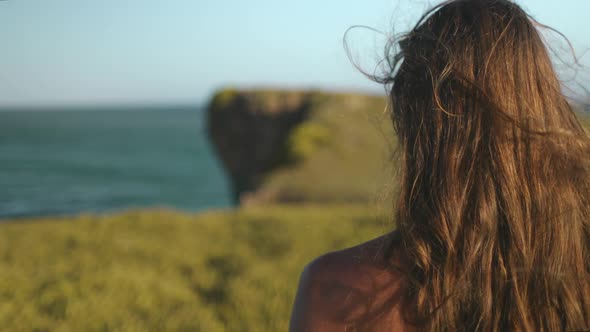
[(286, 146)]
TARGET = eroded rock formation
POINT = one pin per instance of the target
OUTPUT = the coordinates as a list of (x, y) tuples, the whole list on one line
[(249, 130)]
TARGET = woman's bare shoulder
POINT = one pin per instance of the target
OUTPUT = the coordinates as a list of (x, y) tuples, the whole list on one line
[(354, 287)]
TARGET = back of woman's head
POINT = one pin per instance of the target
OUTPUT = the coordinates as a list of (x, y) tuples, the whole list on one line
[(495, 188)]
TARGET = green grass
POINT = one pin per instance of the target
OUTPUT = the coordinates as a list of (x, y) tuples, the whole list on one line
[(168, 271)]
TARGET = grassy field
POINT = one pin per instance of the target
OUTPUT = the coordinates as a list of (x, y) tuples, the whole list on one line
[(160, 270)]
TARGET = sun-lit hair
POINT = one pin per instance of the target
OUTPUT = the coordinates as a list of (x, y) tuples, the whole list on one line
[(494, 203)]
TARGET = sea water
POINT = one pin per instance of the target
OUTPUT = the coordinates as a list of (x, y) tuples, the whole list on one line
[(55, 162)]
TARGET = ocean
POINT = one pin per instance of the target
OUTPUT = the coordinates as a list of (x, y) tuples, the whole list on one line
[(62, 162)]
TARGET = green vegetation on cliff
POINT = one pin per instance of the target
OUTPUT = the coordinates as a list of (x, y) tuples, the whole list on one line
[(296, 146), (167, 271), (305, 141)]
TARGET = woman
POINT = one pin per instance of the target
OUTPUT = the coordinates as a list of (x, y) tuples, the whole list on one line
[(493, 210)]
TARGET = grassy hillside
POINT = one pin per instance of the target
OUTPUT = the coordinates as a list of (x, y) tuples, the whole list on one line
[(341, 153), (166, 271)]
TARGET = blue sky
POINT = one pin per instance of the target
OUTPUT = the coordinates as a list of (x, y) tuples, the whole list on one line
[(57, 52)]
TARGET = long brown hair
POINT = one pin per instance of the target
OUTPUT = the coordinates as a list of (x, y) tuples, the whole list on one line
[(494, 203)]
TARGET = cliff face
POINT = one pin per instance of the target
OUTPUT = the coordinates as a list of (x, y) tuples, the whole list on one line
[(249, 130), (293, 146)]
